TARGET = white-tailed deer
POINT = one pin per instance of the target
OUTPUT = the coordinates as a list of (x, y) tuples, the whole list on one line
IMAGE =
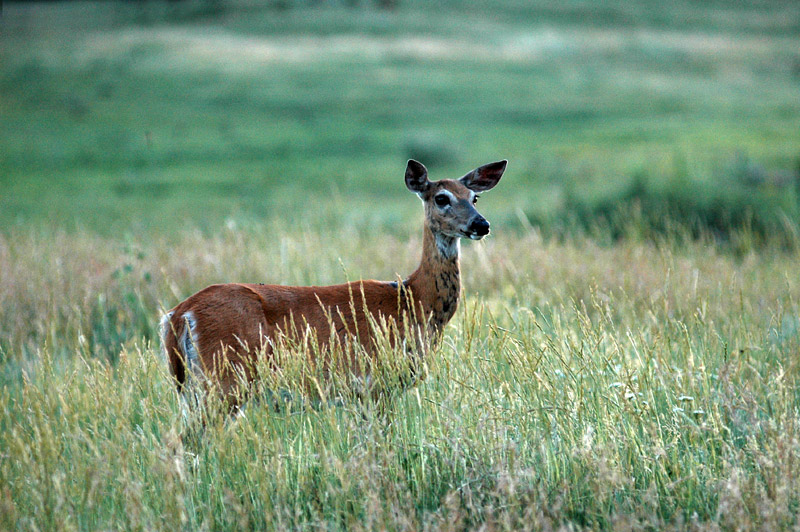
[(221, 332)]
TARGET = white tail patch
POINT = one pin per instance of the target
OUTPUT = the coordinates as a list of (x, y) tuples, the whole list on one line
[(188, 343), (163, 329), (191, 396)]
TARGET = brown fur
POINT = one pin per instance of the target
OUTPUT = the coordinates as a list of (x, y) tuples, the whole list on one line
[(236, 323)]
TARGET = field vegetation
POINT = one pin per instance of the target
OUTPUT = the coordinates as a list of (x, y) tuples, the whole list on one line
[(626, 353)]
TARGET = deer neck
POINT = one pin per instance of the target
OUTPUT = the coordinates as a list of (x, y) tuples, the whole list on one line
[(436, 283)]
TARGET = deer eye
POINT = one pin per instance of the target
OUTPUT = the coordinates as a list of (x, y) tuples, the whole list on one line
[(475, 199), (441, 200)]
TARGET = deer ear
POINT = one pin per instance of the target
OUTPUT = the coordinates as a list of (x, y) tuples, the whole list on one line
[(484, 177), (417, 177)]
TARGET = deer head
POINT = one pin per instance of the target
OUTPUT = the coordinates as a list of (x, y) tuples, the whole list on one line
[(450, 211)]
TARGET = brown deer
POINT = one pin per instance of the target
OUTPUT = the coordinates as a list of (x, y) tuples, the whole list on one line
[(219, 333)]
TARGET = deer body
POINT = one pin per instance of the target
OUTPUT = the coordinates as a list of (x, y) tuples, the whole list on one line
[(219, 332)]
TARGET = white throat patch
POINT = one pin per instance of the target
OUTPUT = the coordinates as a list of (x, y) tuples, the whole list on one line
[(448, 246)]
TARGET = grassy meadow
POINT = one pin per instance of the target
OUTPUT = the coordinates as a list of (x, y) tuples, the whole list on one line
[(625, 356)]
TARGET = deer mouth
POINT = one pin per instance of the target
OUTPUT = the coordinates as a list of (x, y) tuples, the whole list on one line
[(474, 235)]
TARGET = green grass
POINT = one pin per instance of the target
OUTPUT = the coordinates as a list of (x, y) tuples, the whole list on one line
[(568, 390), (613, 365)]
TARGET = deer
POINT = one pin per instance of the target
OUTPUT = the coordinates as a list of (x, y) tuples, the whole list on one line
[(219, 334)]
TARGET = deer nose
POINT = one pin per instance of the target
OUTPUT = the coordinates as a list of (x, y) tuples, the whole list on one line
[(479, 226)]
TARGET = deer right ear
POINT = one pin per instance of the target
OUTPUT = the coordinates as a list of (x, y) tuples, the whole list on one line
[(417, 177), (484, 177)]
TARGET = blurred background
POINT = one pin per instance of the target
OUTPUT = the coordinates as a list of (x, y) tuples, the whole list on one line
[(630, 116)]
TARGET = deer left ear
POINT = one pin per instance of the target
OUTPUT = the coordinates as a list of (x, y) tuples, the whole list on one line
[(417, 177), (484, 177)]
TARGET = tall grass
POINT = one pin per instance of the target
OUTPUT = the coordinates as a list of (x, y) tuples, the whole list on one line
[(634, 386)]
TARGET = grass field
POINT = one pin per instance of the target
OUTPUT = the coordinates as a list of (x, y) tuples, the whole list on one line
[(118, 117), (591, 379)]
